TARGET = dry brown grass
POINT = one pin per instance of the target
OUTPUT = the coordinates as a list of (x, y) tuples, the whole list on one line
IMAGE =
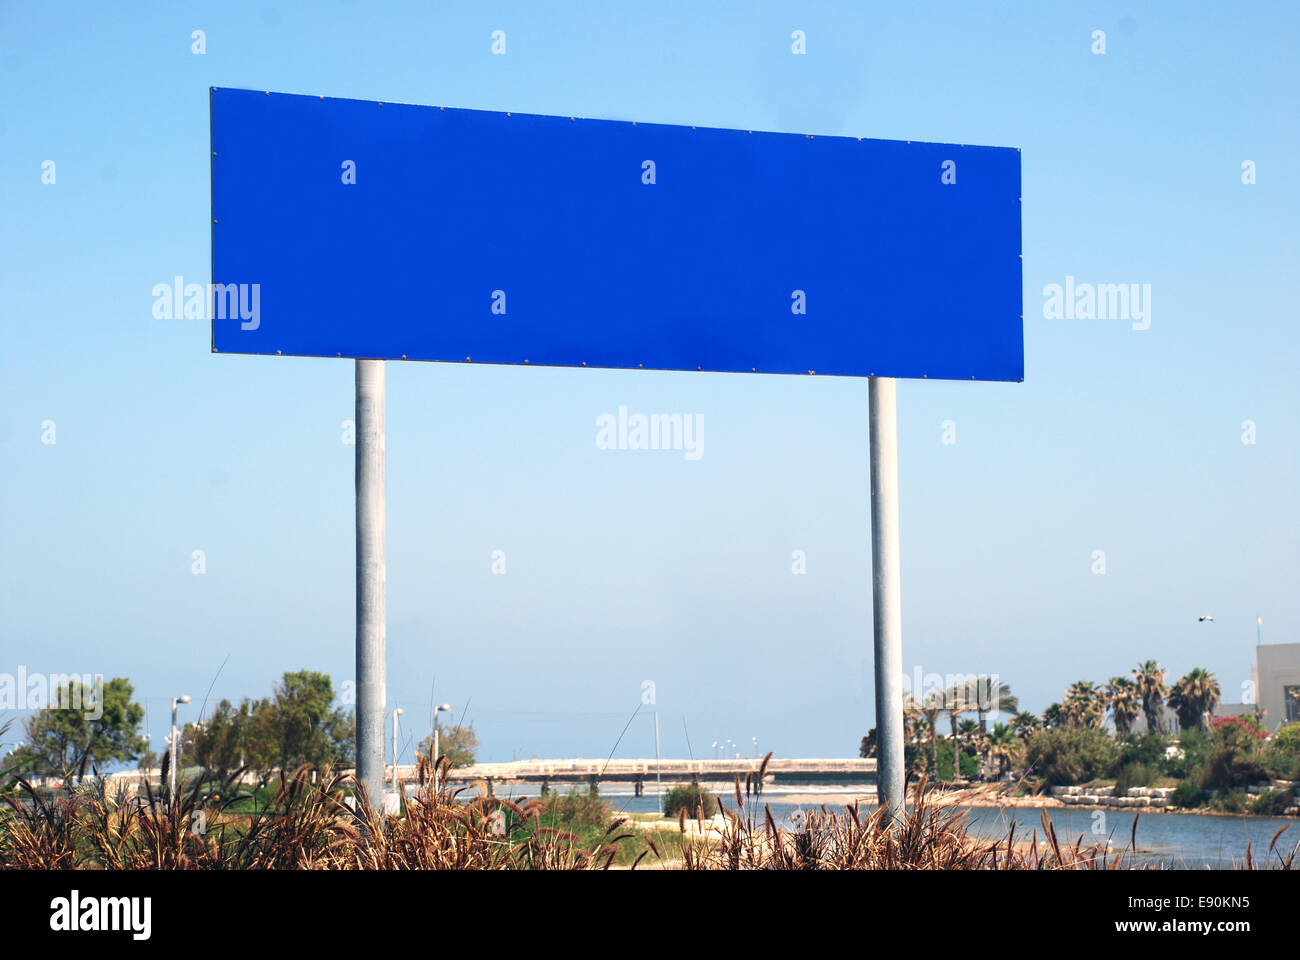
[(311, 825)]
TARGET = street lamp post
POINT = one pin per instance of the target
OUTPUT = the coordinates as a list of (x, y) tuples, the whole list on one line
[(174, 739), (445, 707)]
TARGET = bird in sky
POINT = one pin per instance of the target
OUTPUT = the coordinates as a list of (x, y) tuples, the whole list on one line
[(1205, 619)]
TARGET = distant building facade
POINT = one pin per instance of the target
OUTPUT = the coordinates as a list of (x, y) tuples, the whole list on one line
[(1275, 677)]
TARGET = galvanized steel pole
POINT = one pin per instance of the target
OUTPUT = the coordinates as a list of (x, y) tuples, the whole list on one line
[(371, 617), (886, 605)]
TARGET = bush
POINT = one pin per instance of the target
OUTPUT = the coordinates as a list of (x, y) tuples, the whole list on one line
[(577, 810), (1230, 801), (691, 798), (1287, 739), (1195, 747), (1271, 803), (1284, 752), (1135, 775), (970, 765), (1145, 748), (1064, 756), (1248, 725), (1285, 766), (1187, 795), (1236, 759)]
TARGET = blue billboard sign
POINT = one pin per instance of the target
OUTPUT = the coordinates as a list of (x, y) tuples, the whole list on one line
[(349, 228)]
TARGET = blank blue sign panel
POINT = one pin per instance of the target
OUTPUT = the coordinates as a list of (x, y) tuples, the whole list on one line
[(396, 231)]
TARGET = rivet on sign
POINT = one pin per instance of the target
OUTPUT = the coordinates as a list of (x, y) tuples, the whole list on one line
[(442, 108), (214, 153), (699, 368), (338, 354), (909, 143), (214, 221), (268, 93), (525, 360), (381, 103), (1020, 255), (277, 353), (1021, 199), (584, 363), (571, 119), (403, 356), (507, 113)]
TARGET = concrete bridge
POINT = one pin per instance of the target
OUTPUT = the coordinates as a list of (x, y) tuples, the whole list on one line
[(638, 772)]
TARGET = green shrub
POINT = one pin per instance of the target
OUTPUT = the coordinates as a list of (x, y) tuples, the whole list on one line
[(1287, 739), (576, 810), (1284, 752), (1285, 766), (1271, 803), (691, 798), (1235, 764), (1230, 801), (970, 765), (1187, 795), (1135, 775), (1064, 756), (1144, 748)]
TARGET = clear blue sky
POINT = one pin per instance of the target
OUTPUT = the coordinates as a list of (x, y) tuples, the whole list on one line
[(628, 566)]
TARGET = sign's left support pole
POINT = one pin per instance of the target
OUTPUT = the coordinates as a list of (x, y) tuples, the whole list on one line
[(371, 601), (886, 595)]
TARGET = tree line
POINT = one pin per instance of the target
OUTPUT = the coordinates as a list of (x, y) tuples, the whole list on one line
[(297, 724)]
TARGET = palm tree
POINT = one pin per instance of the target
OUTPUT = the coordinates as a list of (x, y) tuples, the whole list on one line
[(975, 739), (1193, 697), (1149, 678), (993, 697), (1122, 698), (1004, 747), (1023, 723), (1083, 705), (955, 706), (1054, 715), (932, 709), (911, 720)]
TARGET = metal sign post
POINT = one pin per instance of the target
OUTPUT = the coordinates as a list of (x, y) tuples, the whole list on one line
[(886, 593), (371, 606)]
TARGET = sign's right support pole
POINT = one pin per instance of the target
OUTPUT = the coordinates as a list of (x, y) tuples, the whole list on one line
[(886, 589), (371, 580)]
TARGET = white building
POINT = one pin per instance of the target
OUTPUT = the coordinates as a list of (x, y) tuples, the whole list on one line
[(1275, 677)]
